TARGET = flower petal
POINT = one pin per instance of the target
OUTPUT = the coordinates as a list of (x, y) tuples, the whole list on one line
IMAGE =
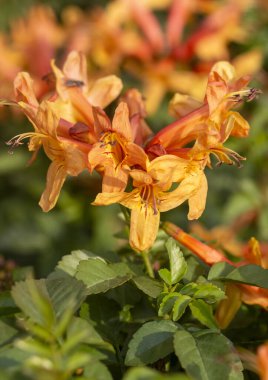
[(197, 202), (144, 226), (103, 91), (55, 179), (121, 123)]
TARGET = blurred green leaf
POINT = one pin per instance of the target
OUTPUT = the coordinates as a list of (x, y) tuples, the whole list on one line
[(246, 274), (207, 355)]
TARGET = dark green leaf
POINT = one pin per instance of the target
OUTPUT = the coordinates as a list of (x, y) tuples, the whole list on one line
[(151, 342), (207, 355), (148, 286), (247, 274)]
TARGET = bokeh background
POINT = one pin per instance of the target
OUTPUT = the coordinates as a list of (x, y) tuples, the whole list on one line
[(237, 198)]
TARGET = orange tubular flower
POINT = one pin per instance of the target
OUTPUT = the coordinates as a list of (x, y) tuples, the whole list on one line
[(212, 123), (151, 195)]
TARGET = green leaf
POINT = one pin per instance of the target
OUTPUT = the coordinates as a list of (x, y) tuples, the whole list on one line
[(65, 292), (246, 274), (207, 355), (189, 289), (69, 263), (203, 313), (150, 343), (98, 276), (96, 371), (33, 299), (7, 304), (180, 306), (165, 275), (148, 286), (150, 374), (178, 265), (167, 304), (210, 292), (7, 332)]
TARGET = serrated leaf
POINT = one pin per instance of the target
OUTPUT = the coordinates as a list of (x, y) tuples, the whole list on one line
[(203, 313), (178, 265), (98, 276), (150, 374), (65, 292), (180, 306), (148, 286), (33, 299), (246, 274), (150, 343), (210, 292), (165, 275), (207, 355), (69, 263)]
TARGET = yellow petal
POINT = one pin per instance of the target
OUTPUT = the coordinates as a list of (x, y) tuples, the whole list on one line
[(180, 105), (55, 179), (105, 199), (140, 177), (240, 126), (103, 91), (168, 168), (121, 124), (114, 179), (184, 191), (144, 226), (24, 93), (197, 202)]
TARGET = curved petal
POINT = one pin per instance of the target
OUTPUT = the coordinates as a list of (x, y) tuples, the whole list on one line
[(187, 188), (144, 226), (168, 168), (75, 67), (55, 179), (121, 123), (24, 93), (197, 202), (114, 179), (103, 91)]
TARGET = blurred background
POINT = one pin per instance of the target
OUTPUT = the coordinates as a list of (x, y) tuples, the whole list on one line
[(115, 41)]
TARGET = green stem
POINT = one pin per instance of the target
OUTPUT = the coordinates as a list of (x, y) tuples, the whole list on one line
[(147, 262)]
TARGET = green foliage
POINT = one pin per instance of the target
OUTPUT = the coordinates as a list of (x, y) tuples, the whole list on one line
[(207, 355), (245, 274)]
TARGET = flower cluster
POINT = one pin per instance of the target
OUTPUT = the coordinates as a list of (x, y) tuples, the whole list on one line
[(127, 37), (144, 172)]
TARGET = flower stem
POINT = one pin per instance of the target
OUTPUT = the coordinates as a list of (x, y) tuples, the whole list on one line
[(147, 262)]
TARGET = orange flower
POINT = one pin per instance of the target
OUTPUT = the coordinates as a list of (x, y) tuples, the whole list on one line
[(76, 95), (68, 156), (151, 196)]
